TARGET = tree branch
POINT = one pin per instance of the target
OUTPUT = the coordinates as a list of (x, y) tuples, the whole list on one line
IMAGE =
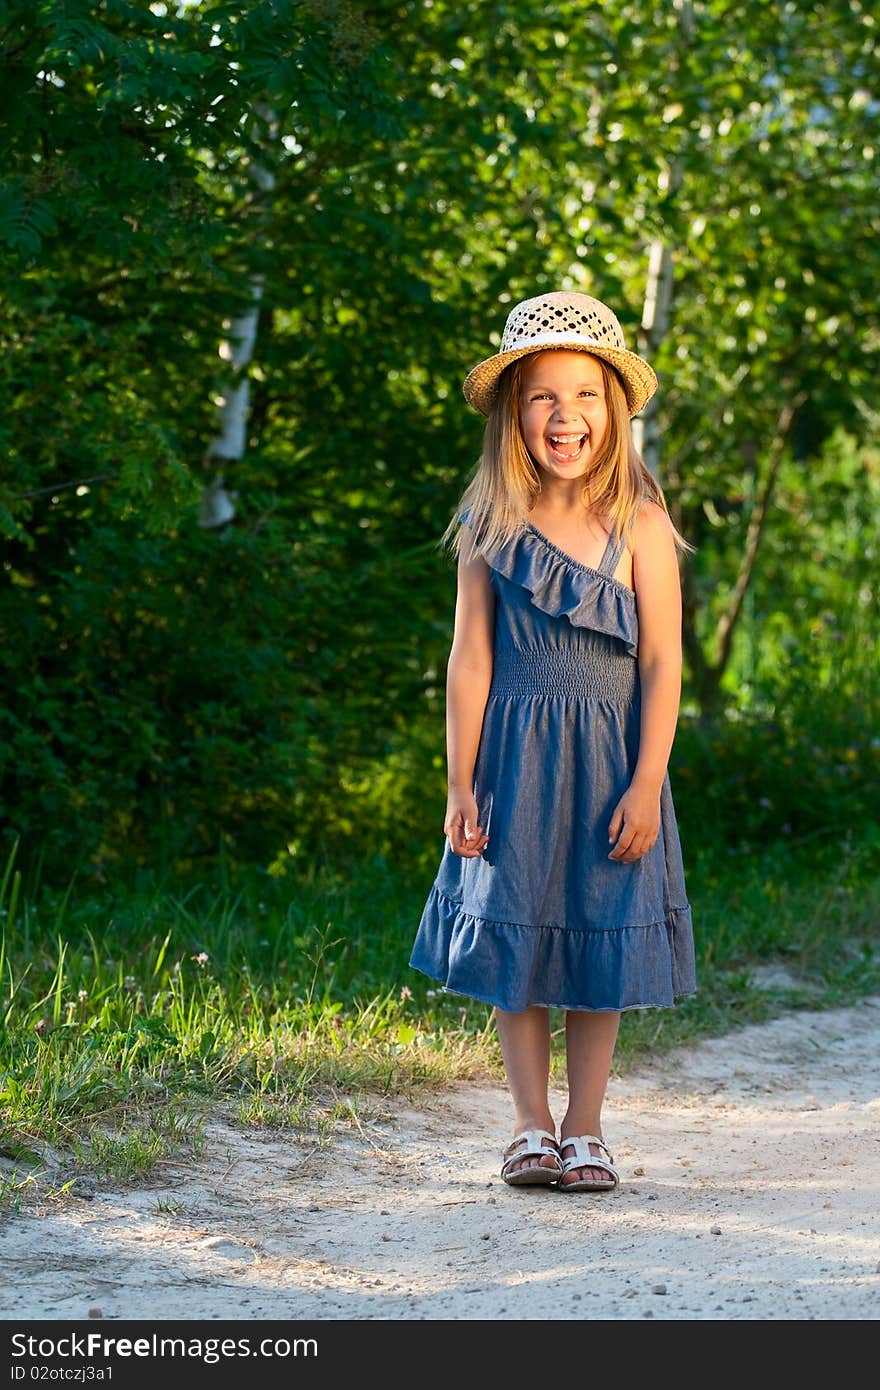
[(754, 535), (60, 487), (6, 54), (735, 382)]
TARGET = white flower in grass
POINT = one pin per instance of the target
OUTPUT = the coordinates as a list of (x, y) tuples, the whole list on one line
[(201, 958)]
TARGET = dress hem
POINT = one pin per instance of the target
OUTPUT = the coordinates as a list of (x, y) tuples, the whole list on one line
[(536, 966), (566, 1008)]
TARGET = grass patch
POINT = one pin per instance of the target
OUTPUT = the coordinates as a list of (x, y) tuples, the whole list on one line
[(16, 1188), (125, 1016)]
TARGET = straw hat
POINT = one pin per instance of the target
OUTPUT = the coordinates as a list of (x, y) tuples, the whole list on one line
[(562, 319)]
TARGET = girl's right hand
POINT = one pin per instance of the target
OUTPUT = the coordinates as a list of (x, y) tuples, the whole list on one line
[(462, 827)]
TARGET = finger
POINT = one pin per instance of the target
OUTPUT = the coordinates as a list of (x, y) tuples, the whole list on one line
[(474, 848), (456, 834), (642, 842), (625, 833), (635, 852), (624, 843), (459, 844), (615, 825)]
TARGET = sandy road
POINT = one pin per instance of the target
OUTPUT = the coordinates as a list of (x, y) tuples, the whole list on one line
[(751, 1190)]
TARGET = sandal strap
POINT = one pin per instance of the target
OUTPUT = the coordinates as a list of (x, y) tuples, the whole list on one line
[(533, 1144), (569, 1166), (582, 1158), (533, 1148)]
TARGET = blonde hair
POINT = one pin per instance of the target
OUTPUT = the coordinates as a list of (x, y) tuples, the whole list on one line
[(506, 483)]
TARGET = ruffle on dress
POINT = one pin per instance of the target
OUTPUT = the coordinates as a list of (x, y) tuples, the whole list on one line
[(516, 966), (560, 586)]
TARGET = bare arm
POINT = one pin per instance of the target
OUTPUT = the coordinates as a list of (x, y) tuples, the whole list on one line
[(658, 590), (468, 678), (635, 824)]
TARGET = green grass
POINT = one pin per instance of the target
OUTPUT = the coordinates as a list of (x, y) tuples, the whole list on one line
[(127, 1014)]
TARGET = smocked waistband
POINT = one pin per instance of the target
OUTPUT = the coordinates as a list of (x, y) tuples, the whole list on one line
[(595, 674)]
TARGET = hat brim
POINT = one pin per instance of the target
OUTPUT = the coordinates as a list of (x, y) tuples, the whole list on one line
[(638, 377)]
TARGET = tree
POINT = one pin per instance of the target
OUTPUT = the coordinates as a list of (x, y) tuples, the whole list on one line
[(421, 167)]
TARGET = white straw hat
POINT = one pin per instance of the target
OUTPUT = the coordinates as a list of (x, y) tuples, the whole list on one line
[(562, 319)]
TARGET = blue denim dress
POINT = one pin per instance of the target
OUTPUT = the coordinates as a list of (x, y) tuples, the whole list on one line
[(543, 916)]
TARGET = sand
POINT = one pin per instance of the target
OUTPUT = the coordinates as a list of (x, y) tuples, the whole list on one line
[(750, 1173)]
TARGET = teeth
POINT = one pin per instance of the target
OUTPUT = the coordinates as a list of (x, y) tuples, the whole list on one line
[(565, 438)]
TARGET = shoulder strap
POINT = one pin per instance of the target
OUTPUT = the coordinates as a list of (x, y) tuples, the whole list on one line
[(614, 549), (611, 559)]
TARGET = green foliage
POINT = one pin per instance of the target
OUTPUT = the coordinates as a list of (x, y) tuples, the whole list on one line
[(393, 178)]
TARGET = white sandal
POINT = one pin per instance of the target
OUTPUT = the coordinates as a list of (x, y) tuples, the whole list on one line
[(540, 1175), (582, 1158)]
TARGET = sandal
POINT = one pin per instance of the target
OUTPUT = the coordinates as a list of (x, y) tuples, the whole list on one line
[(582, 1158), (535, 1147)]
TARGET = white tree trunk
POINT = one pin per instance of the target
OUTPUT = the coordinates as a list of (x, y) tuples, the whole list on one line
[(237, 348), (654, 327), (657, 305)]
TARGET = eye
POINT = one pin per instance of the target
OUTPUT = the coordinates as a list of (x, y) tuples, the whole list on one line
[(587, 392), (540, 396)]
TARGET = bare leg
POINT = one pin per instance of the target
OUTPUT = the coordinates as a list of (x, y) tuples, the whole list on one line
[(525, 1048), (590, 1039)]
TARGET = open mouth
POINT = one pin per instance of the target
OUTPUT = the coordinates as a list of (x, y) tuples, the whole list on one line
[(565, 448)]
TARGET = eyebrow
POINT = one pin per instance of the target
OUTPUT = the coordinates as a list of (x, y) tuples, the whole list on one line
[(544, 386)]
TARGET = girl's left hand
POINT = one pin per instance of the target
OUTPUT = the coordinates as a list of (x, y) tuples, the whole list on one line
[(635, 824)]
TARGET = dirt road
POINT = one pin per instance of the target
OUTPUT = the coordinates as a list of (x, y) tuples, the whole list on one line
[(751, 1169)]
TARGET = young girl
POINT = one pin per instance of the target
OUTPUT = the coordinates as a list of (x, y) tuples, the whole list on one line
[(561, 883)]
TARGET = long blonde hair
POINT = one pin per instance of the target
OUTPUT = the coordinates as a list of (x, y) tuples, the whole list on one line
[(506, 483)]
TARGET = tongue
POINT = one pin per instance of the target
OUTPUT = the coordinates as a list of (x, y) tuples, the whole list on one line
[(568, 451)]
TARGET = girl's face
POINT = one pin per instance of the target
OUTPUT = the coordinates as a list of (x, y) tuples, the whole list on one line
[(563, 412)]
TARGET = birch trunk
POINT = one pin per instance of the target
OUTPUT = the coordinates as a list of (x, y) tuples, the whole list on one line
[(654, 327), (237, 349), (658, 292)]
